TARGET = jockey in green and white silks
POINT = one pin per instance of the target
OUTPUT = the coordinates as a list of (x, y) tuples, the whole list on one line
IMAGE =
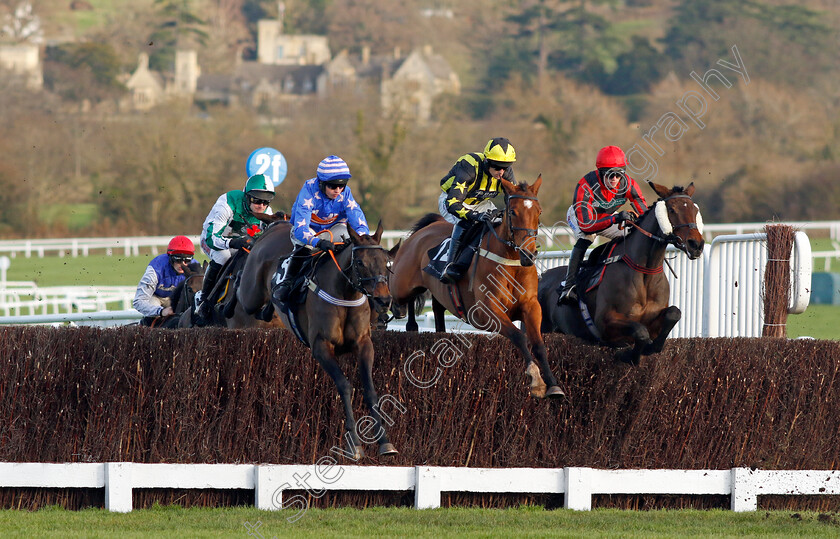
[(225, 230), (232, 215)]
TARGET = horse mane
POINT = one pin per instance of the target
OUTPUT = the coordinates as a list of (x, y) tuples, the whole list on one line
[(193, 269), (177, 293), (674, 190), (425, 221)]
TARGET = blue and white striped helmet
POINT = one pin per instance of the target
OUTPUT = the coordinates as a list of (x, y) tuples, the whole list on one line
[(333, 169)]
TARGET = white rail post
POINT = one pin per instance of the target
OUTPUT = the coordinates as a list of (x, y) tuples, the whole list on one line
[(262, 489), (800, 269), (744, 492), (118, 487), (578, 489), (426, 487)]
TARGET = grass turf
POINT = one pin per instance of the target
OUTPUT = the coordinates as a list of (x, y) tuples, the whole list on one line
[(407, 522)]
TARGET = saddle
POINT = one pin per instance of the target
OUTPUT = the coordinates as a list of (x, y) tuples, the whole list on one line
[(226, 284), (591, 271), (299, 290), (466, 251)]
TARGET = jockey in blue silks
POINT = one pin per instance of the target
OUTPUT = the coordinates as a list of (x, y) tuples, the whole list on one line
[(325, 202), (164, 273)]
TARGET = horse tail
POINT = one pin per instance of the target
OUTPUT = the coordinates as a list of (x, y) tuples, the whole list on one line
[(425, 221)]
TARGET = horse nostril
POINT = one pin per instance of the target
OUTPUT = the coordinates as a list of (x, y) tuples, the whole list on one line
[(695, 245)]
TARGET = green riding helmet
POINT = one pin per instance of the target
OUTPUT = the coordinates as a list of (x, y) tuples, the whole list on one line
[(258, 187)]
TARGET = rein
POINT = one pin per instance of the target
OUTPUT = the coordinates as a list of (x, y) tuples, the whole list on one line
[(356, 282), (530, 233), (671, 238)]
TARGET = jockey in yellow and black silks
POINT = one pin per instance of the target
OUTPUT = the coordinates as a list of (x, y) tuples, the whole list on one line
[(472, 181)]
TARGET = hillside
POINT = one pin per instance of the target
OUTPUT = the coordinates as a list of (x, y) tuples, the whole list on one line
[(762, 140)]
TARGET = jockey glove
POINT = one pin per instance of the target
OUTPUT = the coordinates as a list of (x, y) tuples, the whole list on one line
[(325, 245), (622, 216), (486, 216), (240, 242)]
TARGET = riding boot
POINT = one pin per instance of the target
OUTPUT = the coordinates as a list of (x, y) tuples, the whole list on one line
[(452, 271), (203, 313), (281, 291), (567, 293)]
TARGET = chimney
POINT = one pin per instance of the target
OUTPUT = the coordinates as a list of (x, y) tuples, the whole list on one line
[(427, 50), (366, 55), (396, 53)]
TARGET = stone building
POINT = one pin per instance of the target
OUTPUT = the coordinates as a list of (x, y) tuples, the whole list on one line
[(23, 60)]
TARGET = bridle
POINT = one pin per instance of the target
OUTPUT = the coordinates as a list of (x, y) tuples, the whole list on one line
[(365, 285), (529, 232), (671, 238)]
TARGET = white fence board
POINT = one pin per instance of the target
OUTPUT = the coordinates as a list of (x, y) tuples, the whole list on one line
[(744, 485)]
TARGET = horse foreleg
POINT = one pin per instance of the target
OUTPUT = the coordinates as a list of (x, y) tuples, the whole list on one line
[(411, 323), (619, 329), (365, 354), (324, 352), (531, 322), (666, 321), (538, 387), (438, 310)]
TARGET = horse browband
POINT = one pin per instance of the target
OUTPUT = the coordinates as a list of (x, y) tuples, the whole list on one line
[(671, 237)]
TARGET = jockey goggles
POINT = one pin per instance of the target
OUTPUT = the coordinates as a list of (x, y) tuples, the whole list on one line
[(498, 166), (180, 259), (259, 201), (336, 185)]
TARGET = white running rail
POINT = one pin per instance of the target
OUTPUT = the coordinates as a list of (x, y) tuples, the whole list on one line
[(269, 482)]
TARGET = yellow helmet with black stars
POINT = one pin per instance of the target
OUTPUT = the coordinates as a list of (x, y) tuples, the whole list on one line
[(499, 151)]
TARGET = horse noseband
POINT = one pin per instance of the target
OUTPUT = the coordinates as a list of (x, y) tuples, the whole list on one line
[(358, 282), (529, 232)]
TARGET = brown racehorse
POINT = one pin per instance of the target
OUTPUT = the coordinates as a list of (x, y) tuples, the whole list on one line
[(253, 291), (229, 312), (630, 305), (183, 297), (335, 319), (499, 287)]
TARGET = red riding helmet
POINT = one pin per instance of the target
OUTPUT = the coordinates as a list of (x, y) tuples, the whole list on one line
[(180, 245), (610, 157)]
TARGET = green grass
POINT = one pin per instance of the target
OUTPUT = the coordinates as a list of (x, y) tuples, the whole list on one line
[(90, 270), (103, 11), (73, 216), (818, 321), (406, 522), (81, 271)]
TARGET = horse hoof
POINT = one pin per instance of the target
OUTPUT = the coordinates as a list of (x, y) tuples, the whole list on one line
[(554, 392), (627, 356), (387, 450), (538, 392), (535, 380)]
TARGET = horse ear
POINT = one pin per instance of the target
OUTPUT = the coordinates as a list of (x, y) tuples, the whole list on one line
[(354, 236), (660, 190), (393, 252), (536, 185), (507, 186), (690, 189), (378, 234)]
